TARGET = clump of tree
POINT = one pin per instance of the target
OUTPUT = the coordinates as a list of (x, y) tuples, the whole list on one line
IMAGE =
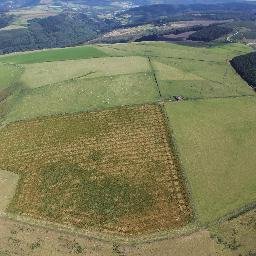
[(245, 65), (210, 33)]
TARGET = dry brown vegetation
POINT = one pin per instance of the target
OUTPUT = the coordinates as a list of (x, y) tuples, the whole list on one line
[(111, 170), (25, 240)]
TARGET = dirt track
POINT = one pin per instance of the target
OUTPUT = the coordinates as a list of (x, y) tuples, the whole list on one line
[(25, 240)]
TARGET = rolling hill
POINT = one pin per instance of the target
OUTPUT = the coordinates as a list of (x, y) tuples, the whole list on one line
[(125, 144)]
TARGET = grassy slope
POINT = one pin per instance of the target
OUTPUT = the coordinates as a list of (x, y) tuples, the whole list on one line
[(189, 71), (216, 54), (198, 79), (46, 73), (216, 141), (9, 74), (76, 95), (84, 95), (72, 53)]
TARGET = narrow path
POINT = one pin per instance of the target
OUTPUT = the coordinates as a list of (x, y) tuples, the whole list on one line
[(17, 237)]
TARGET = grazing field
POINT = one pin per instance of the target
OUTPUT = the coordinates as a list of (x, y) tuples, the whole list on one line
[(61, 81), (112, 170), (216, 141), (198, 79), (83, 95), (9, 74), (72, 53), (46, 73), (219, 53)]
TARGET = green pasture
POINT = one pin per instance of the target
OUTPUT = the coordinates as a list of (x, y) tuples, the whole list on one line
[(9, 75), (47, 73), (198, 79), (218, 53), (86, 77), (71, 53), (84, 95), (216, 142)]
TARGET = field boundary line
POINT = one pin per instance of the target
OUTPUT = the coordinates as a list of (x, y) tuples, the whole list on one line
[(191, 59), (209, 98), (158, 56), (49, 61), (64, 81), (82, 77), (78, 59), (104, 236), (3, 123), (155, 78), (59, 114), (185, 179), (233, 214)]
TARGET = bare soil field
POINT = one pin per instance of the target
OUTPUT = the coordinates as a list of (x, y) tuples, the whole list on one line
[(112, 170)]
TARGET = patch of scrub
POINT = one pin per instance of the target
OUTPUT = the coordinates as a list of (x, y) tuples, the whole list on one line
[(8, 183)]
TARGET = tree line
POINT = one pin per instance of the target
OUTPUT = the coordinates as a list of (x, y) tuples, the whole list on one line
[(245, 65)]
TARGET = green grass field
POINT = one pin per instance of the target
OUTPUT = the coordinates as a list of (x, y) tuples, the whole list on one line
[(46, 73), (72, 53), (216, 142), (75, 81), (83, 95), (198, 79), (9, 75), (218, 53)]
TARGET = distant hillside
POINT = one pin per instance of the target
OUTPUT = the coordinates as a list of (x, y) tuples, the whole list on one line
[(147, 2), (167, 12), (77, 27), (9, 4), (57, 31), (5, 20)]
